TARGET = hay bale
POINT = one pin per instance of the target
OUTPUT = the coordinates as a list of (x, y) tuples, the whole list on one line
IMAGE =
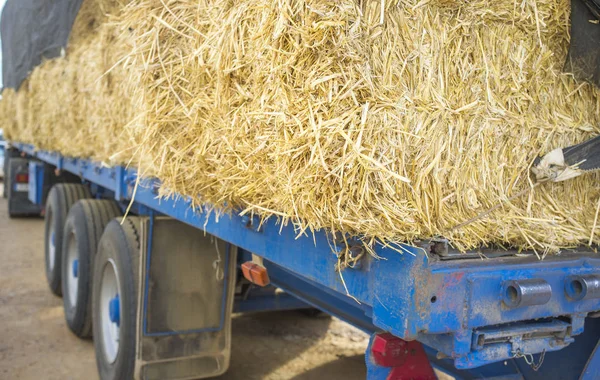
[(392, 120), (73, 104)]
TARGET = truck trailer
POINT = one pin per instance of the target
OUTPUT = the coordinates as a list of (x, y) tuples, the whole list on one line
[(156, 282)]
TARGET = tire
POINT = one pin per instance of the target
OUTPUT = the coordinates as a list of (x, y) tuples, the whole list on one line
[(60, 200), (115, 281), (84, 226)]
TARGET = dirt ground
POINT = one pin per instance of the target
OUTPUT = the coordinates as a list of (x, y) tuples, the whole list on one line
[(35, 342)]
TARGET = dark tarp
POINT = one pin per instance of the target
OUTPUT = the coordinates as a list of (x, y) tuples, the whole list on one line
[(35, 29), (32, 30)]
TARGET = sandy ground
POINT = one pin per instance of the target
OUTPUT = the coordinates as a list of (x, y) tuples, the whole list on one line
[(35, 342)]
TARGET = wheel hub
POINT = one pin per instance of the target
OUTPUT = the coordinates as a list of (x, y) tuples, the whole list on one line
[(72, 270), (51, 248), (114, 310), (110, 311)]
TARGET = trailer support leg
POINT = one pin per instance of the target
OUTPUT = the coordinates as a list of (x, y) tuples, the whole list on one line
[(391, 358)]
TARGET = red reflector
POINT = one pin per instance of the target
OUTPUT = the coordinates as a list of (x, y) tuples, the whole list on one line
[(407, 360), (22, 178), (388, 350), (255, 273)]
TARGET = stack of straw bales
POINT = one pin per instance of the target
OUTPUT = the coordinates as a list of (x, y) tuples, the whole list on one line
[(394, 120), (72, 104)]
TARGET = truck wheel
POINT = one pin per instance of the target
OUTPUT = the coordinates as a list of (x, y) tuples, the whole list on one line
[(114, 301), (60, 200), (84, 226)]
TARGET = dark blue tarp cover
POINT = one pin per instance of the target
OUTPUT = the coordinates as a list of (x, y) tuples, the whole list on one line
[(32, 30)]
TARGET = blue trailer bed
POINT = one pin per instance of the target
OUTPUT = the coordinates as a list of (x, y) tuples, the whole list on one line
[(490, 313)]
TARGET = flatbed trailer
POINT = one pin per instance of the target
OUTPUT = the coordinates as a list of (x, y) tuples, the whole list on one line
[(492, 313)]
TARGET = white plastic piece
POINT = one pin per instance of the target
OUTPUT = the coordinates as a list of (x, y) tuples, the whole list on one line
[(552, 167)]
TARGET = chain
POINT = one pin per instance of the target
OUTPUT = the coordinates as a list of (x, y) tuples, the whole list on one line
[(529, 359)]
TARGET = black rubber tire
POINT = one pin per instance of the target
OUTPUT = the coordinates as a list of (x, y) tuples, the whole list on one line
[(60, 200), (84, 227), (119, 246)]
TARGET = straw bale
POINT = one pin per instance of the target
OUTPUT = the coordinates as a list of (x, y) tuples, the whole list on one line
[(72, 104), (395, 121)]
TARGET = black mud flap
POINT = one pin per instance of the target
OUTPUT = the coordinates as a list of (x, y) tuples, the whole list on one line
[(583, 59), (19, 204), (186, 290)]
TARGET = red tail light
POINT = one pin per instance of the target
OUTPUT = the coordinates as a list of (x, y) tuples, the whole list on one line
[(22, 178)]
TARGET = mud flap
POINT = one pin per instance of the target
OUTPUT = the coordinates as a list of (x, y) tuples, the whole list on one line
[(18, 192), (185, 300)]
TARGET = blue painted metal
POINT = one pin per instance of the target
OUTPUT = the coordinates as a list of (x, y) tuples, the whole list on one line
[(376, 372), (52, 158), (259, 299), (75, 268), (511, 342), (114, 310), (324, 299), (592, 368), (36, 182), (570, 362), (447, 304), (505, 370)]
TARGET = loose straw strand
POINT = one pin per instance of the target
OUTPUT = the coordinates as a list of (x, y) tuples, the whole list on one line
[(485, 213), (595, 223)]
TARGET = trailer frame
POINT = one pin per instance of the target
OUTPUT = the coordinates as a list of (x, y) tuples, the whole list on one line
[(480, 312)]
